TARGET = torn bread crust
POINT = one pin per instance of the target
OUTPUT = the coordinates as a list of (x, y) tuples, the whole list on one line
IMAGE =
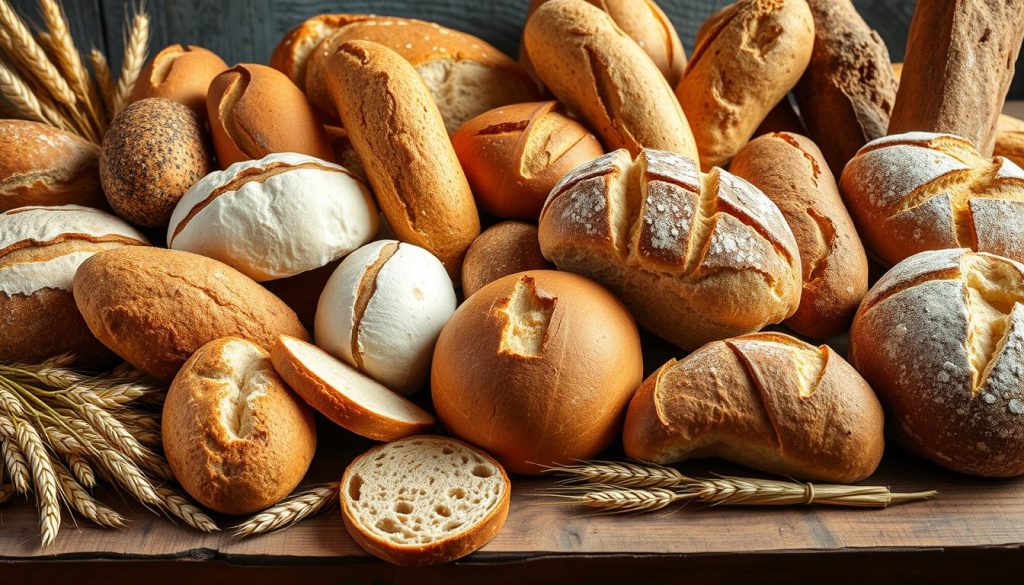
[(526, 314)]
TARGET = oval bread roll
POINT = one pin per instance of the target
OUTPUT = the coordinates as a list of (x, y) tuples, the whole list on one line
[(41, 165), (586, 60), (765, 400), (505, 248), (181, 73)]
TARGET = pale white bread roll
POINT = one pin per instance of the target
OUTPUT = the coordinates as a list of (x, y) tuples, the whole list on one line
[(382, 310), (424, 500), (941, 340), (275, 217), (696, 257), (921, 191), (344, 395)]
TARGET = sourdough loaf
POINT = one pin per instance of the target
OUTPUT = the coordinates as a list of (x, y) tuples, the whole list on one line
[(42, 165)]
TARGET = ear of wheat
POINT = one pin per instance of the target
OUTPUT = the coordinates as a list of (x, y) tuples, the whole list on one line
[(310, 502)]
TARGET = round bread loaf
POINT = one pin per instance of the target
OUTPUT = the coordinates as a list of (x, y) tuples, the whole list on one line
[(180, 73), (918, 191), (41, 165), (276, 217), (505, 248), (764, 400), (255, 111), (1010, 139), (514, 155), (537, 368), (940, 338), (382, 311), (154, 151), (155, 307), (237, 439), (40, 249), (696, 257)]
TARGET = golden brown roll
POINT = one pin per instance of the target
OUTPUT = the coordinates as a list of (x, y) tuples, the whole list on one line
[(505, 248), (291, 55), (1010, 139), (42, 165), (181, 73)]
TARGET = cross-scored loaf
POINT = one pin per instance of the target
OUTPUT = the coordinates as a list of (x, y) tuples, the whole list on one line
[(697, 257), (921, 191), (424, 500)]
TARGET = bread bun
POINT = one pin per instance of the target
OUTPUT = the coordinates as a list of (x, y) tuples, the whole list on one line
[(235, 436), (514, 155), (40, 249), (696, 257), (505, 248), (764, 400), (255, 111), (276, 217), (940, 338), (154, 151), (180, 73), (155, 307), (41, 165), (1010, 139), (537, 368), (914, 192), (292, 53), (382, 311)]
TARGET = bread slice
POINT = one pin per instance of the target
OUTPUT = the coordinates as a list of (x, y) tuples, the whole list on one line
[(424, 500), (346, 396)]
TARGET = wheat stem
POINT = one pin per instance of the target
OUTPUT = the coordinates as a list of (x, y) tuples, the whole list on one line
[(14, 457), (43, 477), (310, 502), (68, 58), (20, 96), (135, 48), (179, 507), (20, 44), (82, 502)]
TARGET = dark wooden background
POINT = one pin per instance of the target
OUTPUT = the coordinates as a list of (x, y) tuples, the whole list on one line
[(248, 30)]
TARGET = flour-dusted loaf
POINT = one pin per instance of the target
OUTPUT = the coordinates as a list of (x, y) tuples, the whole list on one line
[(505, 248), (696, 256), (40, 249), (424, 500), (181, 73), (940, 338), (42, 165), (919, 191), (765, 400)]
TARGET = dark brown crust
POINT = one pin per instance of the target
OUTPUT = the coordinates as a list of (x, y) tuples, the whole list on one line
[(44, 324), (41, 165), (505, 248)]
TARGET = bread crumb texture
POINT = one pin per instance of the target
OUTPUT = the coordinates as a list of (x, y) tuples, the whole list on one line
[(527, 314)]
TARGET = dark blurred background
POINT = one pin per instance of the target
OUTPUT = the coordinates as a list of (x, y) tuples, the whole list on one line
[(248, 30)]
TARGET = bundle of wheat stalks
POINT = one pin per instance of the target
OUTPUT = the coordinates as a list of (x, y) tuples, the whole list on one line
[(43, 77), (613, 486)]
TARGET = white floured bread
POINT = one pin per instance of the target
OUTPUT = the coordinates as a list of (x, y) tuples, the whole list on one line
[(346, 396), (424, 500)]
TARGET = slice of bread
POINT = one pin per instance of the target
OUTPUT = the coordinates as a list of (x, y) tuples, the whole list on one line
[(424, 500), (345, 395)]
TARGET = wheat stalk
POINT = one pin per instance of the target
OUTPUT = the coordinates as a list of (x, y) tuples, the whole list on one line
[(624, 474), (68, 58), (21, 45), (135, 49), (113, 431), (179, 507), (17, 467), (20, 96), (308, 503), (104, 78), (83, 503), (81, 469), (44, 478)]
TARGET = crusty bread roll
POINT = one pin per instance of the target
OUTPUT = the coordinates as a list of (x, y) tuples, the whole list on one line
[(941, 340), (1010, 139), (181, 73), (920, 191), (747, 58), (154, 307), (848, 90), (792, 172), (398, 133), (424, 500), (586, 60), (255, 111), (40, 249), (465, 75), (292, 53), (237, 439), (537, 368), (765, 400), (697, 257), (276, 217), (42, 165), (505, 248), (514, 155), (958, 68)]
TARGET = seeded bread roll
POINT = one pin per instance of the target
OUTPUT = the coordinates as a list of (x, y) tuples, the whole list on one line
[(764, 400), (180, 73), (41, 165), (940, 338), (505, 248), (1010, 139), (593, 67)]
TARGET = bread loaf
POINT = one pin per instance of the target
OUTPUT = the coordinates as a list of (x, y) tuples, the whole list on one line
[(180, 73), (40, 249), (292, 53), (235, 436), (514, 155), (765, 400), (976, 44), (586, 60), (398, 133), (747, 58), (41, 165), (941, 340), (537, 368), (155, 307), (1010, 139), (505, 248), (696, 257), (781, 118), (848, 90), (919, 191), (792, 172)]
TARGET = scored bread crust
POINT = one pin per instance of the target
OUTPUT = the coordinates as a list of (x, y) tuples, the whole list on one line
[(181, 73), (42, 165), (448, 549), (290, 55), (764, 400)]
